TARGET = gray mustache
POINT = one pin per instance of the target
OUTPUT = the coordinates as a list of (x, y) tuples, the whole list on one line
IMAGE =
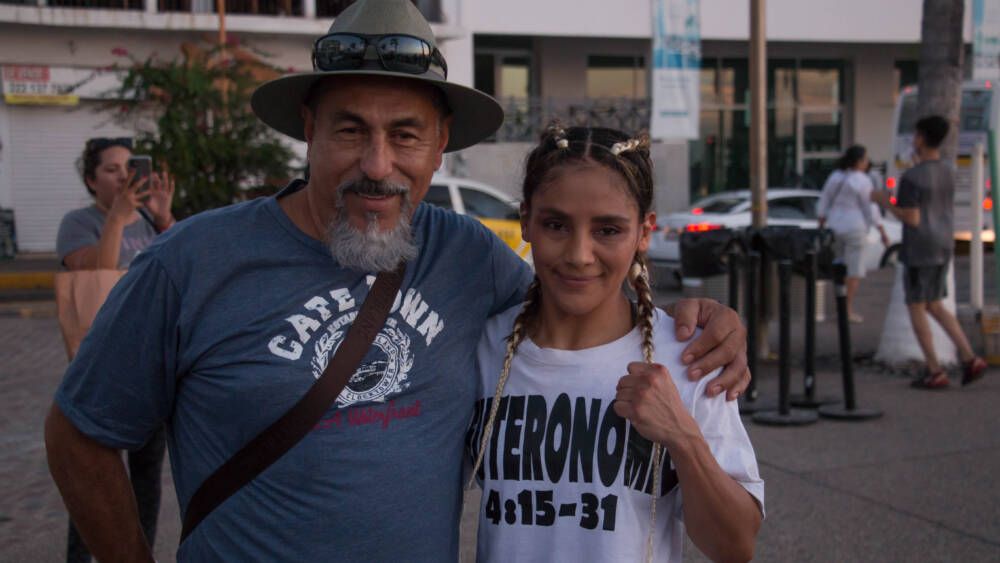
[(373, 188)]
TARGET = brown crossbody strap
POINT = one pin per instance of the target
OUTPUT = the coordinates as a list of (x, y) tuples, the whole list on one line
[(258, 454)]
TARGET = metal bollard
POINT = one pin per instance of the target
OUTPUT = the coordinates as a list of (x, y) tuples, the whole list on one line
[(785, 415), (750, 402), (734, 278), (807, 399), (849, 410)]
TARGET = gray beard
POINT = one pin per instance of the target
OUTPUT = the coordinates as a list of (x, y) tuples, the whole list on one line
[(372, 249)]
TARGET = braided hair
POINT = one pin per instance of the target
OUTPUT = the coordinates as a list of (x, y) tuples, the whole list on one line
[(639, 278), (558, 148), (528, 311)]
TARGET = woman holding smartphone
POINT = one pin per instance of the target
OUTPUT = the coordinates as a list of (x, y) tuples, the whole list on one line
[(127, 214)]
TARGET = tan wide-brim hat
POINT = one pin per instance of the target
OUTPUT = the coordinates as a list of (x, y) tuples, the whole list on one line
[(476, 115)]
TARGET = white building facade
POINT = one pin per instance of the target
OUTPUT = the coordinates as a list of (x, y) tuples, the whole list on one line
[(835, 69)]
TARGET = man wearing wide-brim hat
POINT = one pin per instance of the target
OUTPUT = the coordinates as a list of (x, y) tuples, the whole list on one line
[(224, 323)]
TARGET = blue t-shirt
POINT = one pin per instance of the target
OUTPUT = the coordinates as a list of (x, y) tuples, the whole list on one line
[(225, 322)]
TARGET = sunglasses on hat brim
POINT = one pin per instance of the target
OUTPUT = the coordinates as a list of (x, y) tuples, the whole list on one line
[(396, 53)]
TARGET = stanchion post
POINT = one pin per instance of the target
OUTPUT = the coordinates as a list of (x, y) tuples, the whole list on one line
[(849, 410), (734, 278), (844, 334), (809, 378), (785, 415), (976, 242), (784, 335), (752, 307), (808, 397), (750, 402)]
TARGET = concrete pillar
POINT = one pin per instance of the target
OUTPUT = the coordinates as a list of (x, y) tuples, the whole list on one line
[(309, 9), (670, 174), (6, 178), (459, 54)]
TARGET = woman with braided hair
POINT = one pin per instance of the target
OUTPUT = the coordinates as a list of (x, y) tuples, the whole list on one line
[(578, 462)]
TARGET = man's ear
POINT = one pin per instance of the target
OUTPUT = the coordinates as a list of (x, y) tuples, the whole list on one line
[(308, 123)]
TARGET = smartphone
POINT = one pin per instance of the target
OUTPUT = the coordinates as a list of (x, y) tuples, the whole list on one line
[(143, 166)]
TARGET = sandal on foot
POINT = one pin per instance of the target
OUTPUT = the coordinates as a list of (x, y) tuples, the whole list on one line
[(933, 381), (973, 369)]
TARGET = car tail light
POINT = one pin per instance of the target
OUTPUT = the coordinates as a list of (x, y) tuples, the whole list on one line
[(988, 203), (697, 211), (702, 227), (890, 183)]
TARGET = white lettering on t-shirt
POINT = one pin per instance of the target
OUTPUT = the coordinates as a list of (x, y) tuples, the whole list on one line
[(303, 325), (319, 305), (293, 352), (319, 311), (431, 326), (413, 307), (343, 298)]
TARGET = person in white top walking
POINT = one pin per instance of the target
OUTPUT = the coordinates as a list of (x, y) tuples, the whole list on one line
[(845, 208)]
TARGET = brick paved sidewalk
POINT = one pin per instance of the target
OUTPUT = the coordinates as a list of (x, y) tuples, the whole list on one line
[(920, 484)]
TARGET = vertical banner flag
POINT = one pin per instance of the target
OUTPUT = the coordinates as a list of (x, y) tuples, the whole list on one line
[(986, 40), (676, 68)]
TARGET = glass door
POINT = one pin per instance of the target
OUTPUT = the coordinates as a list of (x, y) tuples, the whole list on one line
[(819, 140)]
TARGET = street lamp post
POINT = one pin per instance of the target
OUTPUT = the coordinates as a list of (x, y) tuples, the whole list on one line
[(758, 152), (758, 112)]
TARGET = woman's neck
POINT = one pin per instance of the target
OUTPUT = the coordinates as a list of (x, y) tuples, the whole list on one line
[(555, 328)]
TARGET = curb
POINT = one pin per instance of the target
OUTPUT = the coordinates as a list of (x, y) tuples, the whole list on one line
[(29, 310), (27, 280)]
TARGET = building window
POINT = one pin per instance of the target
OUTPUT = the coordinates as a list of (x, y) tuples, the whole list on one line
[(804, 124), (102, 4), (253, 7), (720, 158), (503, 76), (431, 9), (504, 68), (616, 76)]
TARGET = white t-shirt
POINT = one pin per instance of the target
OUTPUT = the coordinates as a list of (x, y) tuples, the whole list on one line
[(846, 202), (567, 479)]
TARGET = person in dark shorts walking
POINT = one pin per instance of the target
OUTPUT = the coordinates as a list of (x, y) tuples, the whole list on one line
[(925, 206)]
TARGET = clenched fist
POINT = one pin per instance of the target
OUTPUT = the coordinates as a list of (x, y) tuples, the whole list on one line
[(648, 398)]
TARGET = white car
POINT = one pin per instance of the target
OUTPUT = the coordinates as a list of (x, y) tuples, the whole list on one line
[(785, 206), (493, 208)]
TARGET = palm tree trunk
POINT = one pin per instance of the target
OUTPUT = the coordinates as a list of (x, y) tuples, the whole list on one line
[(941, 53)]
